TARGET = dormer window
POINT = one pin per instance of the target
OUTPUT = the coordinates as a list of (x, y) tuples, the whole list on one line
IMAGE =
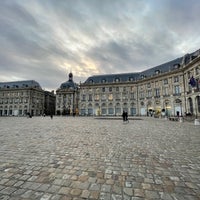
[(103, 80), (117, 80), (91, 81), (143, 76), (157, 71), (176, 66), (131, 79)]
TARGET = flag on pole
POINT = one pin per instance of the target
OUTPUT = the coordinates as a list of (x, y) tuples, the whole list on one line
[(192, 81)]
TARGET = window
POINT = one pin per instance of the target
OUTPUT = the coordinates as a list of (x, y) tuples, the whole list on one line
[(176, 66), (110, 97), (157, 71), (117, 96), (103, 89), (177, 89), (96, 97), (143, 76), (157, 92), (131, 79), (103, 80), (132, 95), (103, 97), (165, 81), (189, 75), (149, 93), (117, 80), (132, 88), (148, 85), (90, 97), (165, 91), (176, 79), (197, 70), (83, 97), (117, 89), (142, 94), (110, 89)]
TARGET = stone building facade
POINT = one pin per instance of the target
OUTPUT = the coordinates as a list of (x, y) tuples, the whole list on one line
[(20, 98), (170, 89), (163, 90), (67, 97)]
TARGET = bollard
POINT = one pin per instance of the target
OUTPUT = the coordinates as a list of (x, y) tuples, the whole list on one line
[(180, 119), (196, 122)]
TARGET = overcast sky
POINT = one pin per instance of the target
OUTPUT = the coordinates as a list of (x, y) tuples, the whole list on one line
[(45, 40)]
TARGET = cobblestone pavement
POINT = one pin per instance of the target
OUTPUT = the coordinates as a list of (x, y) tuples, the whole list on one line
[(67, 158)]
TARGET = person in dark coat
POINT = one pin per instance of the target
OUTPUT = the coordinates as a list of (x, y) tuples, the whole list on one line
[(124, 116)]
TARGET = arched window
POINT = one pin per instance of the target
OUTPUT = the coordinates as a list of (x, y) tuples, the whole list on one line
[(198, 103), (190, 105)]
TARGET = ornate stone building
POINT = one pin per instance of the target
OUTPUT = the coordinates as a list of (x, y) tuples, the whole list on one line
[(20, 98), (161, 90), (168, 89), (67, 97)]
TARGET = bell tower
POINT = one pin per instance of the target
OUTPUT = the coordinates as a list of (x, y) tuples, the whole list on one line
[(70, 76)]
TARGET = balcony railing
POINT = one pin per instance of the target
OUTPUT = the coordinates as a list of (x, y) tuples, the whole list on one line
[(177, 94)]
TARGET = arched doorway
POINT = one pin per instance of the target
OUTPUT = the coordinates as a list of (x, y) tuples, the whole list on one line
[(149, 108), (90, 109), (118, 109), (190, 105), (103, 109), (157, 108), (178, 107), (83, 109), (142, 109), (167, 107), (133, 109), (197, 100), (110, 109), (97, 110)]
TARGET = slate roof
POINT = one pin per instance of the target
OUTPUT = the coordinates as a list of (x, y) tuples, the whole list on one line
[(166, 67), (70, 84), (20, 84), (127, 77), (109, 78)]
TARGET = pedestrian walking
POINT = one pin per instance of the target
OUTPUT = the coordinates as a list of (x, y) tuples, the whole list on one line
[(125, 116)]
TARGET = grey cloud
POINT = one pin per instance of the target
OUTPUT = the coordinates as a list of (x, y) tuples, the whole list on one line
[(12, 11), (39, 37)]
